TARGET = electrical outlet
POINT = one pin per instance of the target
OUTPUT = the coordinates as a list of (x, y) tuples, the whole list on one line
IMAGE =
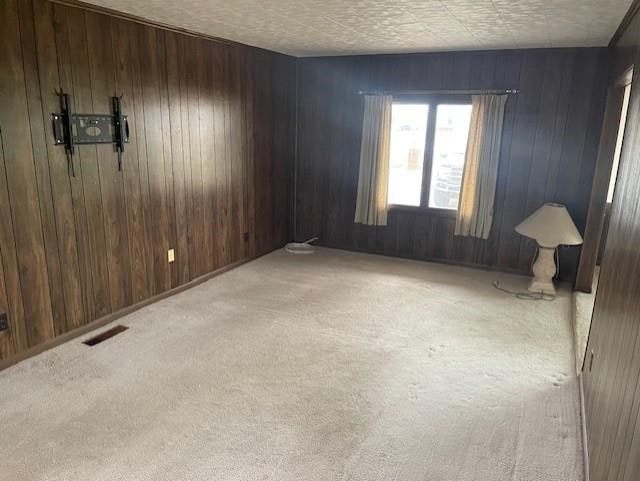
[(171, 255), (4, 321)]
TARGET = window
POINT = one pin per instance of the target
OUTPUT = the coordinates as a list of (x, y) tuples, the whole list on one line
[(406, 157), (428, 147)]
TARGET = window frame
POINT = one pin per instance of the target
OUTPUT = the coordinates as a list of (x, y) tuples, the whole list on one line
[(433, 100)]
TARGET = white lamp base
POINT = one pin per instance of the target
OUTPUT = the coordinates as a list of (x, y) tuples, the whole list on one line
[(544, 268)]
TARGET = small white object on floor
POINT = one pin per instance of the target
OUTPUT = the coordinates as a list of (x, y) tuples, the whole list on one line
[(301, 247)]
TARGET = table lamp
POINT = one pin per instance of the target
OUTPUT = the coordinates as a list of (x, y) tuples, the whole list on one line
[(550, 226)]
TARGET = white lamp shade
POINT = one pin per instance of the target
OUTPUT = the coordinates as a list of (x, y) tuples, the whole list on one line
[(551, 226)]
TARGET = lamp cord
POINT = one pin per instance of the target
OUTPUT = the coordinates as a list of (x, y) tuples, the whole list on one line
[(525, 296), (532, 296)]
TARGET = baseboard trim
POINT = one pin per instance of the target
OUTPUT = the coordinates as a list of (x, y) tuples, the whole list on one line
[(583, 422), (434, 260), (103, 321)]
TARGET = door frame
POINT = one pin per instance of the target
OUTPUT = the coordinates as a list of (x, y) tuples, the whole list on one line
[(601, 178)]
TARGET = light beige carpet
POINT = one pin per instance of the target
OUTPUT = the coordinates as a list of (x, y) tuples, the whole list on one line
[(335, 366)]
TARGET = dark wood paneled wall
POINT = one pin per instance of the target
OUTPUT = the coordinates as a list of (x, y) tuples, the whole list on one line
[(548, 151), (612, 380), (209, 160)]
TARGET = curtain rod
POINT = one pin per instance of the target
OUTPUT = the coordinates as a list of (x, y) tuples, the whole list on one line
[(441, 92)]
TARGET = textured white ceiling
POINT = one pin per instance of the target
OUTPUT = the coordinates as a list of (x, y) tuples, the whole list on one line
[(341, 27)]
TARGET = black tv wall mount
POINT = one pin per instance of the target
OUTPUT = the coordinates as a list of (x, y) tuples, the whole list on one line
[(70, 129)]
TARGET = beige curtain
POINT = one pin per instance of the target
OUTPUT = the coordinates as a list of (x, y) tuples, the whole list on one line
[(475, 210), (371, 203)]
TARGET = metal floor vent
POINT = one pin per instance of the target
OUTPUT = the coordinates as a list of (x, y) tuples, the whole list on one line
[(103, 336)]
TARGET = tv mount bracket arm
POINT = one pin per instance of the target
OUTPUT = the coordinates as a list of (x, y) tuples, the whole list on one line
[(71, 129)]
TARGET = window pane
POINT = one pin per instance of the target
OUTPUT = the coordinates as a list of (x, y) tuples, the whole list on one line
[(408, 134), (449, 149)]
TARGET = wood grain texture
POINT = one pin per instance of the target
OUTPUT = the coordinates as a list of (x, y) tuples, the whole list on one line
[(612, 379), (22, 185), (38, 141), (548, 151), (211, 132), (598, 203)]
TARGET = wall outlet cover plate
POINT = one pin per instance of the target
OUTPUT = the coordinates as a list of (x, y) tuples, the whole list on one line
[(171, 255)]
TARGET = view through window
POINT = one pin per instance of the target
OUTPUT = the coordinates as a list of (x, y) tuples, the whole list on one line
[(439, 130), (449, 149), (408, 136)]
